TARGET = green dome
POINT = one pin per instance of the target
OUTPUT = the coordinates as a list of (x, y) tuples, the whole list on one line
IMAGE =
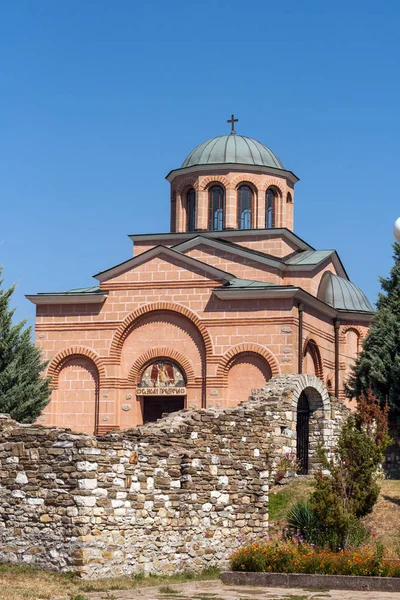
[(342, 294), (232, 149)]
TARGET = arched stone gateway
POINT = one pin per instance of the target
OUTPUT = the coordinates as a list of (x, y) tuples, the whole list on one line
[(302, 416)]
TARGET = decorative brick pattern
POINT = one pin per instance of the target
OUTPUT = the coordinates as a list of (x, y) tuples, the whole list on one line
[(123, 329), (223, 366)]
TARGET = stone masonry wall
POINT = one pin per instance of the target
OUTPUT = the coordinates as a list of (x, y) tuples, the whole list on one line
[(168, 496)]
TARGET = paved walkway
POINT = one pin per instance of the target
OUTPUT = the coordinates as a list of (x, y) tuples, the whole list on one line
[(215, 590)]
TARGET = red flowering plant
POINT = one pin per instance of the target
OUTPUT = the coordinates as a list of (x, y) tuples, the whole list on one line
[(293, 555)]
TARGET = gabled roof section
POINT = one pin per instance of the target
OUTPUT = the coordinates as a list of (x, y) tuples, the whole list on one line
[(212, 272), (316, 257), (226, 246), (301, 260), (309, 257)]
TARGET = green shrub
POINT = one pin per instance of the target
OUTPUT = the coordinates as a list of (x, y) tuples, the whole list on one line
[(303, 522), (350, 489)]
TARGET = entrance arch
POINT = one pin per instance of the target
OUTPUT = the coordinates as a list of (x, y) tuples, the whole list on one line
[(305, 408), (303, 433), (313, 424), (161, 389)]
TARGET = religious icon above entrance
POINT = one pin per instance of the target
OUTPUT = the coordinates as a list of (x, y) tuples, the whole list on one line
[(161, 378)]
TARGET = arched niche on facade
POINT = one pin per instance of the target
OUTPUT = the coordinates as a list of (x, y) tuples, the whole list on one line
[(312, 361), (243, 368), (75, 399)]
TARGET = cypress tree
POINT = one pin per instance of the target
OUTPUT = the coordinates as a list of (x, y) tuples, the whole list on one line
[(23, 390), (378, 365)]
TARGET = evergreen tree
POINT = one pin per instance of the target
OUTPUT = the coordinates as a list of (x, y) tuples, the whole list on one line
[(378, 365), (23, 391)]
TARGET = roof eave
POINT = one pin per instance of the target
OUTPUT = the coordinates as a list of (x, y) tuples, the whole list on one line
[(66, 298), (291, 292), (233, 167), (185, 235)]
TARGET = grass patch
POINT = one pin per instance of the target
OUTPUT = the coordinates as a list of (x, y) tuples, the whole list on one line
[(26, 583), (286, 496), (167, 589)]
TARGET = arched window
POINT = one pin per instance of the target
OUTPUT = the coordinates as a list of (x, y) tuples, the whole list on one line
[(191, 210), (216, 214), (245, 207), (289, 199), (270, 209)]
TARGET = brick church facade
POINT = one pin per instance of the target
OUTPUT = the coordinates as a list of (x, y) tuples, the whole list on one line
[(201, 315)]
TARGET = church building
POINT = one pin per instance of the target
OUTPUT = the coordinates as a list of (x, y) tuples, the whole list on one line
[(201, 315)]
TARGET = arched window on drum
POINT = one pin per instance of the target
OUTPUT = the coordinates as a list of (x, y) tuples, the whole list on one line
[(245, 207), (191, 210), (216, 208), (270, 201)]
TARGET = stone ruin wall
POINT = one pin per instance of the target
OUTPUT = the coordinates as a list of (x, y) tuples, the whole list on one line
[(165, 497)]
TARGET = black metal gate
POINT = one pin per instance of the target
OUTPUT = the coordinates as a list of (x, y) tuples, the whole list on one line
[(302, 430)]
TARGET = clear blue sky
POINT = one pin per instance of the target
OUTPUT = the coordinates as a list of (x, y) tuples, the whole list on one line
[(100, 99)]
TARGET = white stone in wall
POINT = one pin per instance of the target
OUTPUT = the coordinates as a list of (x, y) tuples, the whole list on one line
[(223, 479), (21, 478), (100, 492), (12, 459), (18, 494), (35, 501), (256, 452), (119, 482), (118, 468), (85, 500), (117, 503), (223, 499), (72, 511), (62, 444), (90, 451), (175, 483), (85, 465), (194, 435), (87, 484)]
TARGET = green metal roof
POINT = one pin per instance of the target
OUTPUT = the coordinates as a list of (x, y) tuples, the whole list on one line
[(249, 284), (232, 149), (342, 294), (76, 292), (309, 257)]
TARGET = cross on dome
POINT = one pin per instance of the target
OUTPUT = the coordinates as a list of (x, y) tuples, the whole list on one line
[(232, 121)]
